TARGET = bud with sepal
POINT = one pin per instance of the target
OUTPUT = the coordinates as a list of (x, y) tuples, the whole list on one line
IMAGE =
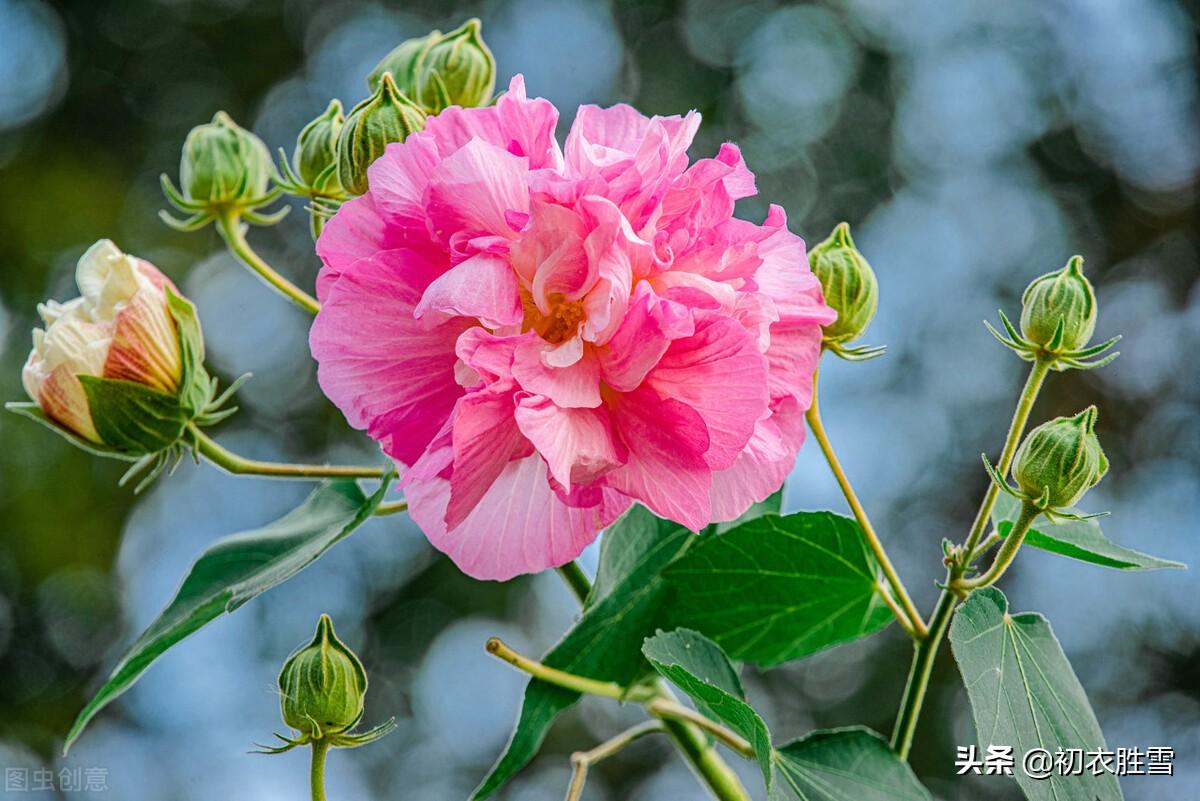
[(1056, 464), (386, 116), (850, 288), (312, 170), (224, 169), (119, 371), (322, 693), (1058, 318), (441, 70)]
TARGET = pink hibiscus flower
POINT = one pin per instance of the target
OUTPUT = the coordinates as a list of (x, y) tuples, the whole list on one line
[(539, 336)]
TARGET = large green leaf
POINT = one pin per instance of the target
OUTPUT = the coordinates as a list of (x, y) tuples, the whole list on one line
[(779, 588), (624, 607), (232, 571), (698, 666), (1025, 695), (852, 764), (1078, 539)]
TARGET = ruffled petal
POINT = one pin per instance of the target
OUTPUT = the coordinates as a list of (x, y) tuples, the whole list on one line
[(474, 190), (718, 372), (577, 444), (389, 373), (665, 469), (486, 438), (576, 385), (762, 467), (519, 526), (483, 286)]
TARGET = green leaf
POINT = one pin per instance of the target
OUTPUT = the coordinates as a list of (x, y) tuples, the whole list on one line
[(1025, 695), (1078, 539), (771, 505), (232, 571), (35, 413), (133, 417), (779, 588), (625, 606), (851, 764), (698, 666)]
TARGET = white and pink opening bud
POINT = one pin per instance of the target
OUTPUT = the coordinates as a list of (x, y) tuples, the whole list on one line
[(120, 328)]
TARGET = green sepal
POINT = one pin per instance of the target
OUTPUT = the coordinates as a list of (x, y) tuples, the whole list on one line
[(133, 417), (34, 412), (194, 382)]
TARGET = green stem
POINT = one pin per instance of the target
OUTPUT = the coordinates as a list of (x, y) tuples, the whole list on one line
[(240, 466), (230, 227), (911, 619), (706, 762), (391, 508), (317, 774), (577, 580), (1007, 552), (924, 653), (568, 681), (925, 650), (1029, 393), (701, 754)]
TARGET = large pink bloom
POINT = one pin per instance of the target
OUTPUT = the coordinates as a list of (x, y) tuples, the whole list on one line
[(541, 336)]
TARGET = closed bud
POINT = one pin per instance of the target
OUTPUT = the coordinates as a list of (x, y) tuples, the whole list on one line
[(315, 158), (459, 70), (386, 116), (223, 164), (848, 283), (1060, 460), (322, 685), (121, 328), (1065, 299), (404, 63)]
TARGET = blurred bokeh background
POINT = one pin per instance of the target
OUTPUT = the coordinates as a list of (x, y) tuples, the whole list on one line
[(972, 145)]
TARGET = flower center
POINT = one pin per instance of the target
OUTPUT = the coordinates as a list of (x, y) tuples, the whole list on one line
[(560, 324)]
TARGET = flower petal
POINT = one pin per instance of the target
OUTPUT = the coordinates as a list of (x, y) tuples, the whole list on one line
[(474, 189), (483, 287), (389, 373), (665, 468), (486, 437), (519, 526), (718, 372), (577, 444)]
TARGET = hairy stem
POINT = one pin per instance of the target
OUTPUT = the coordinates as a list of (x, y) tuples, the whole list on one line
[(701, 754), (1007, 552), (568, 681), (666, 709), (582, 760), (317, 773), (230, 227), (925, 650), (240, 466), (911, 619), (391, 508)]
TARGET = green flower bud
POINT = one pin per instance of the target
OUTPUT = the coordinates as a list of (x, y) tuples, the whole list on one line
[(1061, 460), (315, 158), (848, 283), (386, 116), (458, 70), (404, 63), (322, 685), (1064, 297), (223, 164)]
